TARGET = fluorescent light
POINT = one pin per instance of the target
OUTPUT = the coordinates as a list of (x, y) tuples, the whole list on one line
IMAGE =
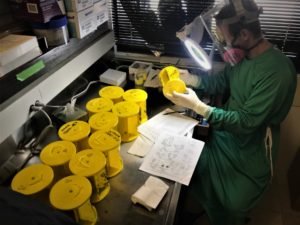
[(198, 53)]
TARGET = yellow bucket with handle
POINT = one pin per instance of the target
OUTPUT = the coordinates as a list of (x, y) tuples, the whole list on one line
[(91, 164), (170, 80), (129, 120), (139, 97), (113, 93), (76, 131), (73, 193)]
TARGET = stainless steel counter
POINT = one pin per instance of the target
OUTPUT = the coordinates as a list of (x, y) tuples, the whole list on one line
[(118, 209)]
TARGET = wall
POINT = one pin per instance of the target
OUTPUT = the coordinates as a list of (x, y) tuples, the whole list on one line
[(289, 179)]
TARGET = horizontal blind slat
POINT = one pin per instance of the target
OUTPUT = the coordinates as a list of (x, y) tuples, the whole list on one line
[(135, 21)]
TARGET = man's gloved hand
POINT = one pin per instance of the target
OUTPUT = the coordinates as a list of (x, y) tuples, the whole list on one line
[(190, 79), (190, 100)]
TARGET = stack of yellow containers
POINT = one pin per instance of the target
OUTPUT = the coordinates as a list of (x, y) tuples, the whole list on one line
[(75, 170)]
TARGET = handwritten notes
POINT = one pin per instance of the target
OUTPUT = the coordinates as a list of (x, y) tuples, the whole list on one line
[(173, 157), (175, 123)]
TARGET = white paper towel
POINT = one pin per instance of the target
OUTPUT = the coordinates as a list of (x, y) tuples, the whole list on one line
[(151, 193)]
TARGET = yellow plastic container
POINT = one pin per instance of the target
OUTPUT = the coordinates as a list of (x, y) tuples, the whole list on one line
[(34, 181), (103, 121), (57, 155), (108, 142), (91, 164), (99, 105), (114, 93), (170, 80), (129, 119), (73, 193), (139, 97), (77, 132)]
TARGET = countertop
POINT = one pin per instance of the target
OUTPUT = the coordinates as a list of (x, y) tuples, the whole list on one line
[(117, 208)]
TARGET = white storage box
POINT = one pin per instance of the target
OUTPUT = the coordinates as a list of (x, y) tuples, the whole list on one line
[(13, 46), (133, 68), (81, 23), (102, 1), (113, 77), (77, 5), (20, 61), (101, 12)]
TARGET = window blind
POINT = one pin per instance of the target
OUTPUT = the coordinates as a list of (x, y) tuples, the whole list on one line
[(147, 25)]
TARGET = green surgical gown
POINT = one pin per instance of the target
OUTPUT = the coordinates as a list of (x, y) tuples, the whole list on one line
[(234, 170)]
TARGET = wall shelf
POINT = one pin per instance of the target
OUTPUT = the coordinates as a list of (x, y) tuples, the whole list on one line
[(62, 65)]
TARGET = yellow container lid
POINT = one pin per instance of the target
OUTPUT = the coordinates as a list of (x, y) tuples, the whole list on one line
[(99, 104), (57, 153), (135, 95), (103, 121), (70, 192), (168, 73), (32, 179), (174, 85), (126, 109), (111, 92), (74, 131), (87, 163), (105, 140)]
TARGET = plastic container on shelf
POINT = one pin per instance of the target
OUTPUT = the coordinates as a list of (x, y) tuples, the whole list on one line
[(55, 31)]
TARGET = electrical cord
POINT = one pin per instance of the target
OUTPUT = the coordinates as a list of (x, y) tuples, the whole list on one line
[(74, 98), (39, 104), (24, 141), (122, 66), (35, 142)]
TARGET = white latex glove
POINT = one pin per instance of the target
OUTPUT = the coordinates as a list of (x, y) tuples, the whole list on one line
[(190, 79), (190, 100)]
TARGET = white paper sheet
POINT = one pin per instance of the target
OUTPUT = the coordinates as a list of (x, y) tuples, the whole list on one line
[(151, 193), (175, 123), (173, 157), (141, 146)]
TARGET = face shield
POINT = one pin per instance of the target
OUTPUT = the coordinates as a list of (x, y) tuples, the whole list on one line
[(229, 53)]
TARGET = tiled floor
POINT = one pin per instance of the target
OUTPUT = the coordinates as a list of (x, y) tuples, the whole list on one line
[(274, 209)]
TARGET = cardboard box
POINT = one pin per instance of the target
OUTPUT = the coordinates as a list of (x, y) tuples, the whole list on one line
[(101, 12), (77, 5), (20, 61), (102, 2), (81, 23), (13, 46), (40, 11)]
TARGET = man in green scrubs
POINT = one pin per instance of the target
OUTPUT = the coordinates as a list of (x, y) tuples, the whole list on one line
[(236, 165)]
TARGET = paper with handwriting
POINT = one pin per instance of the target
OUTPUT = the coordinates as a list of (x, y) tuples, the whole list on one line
[(171, 123), (173, 157)]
